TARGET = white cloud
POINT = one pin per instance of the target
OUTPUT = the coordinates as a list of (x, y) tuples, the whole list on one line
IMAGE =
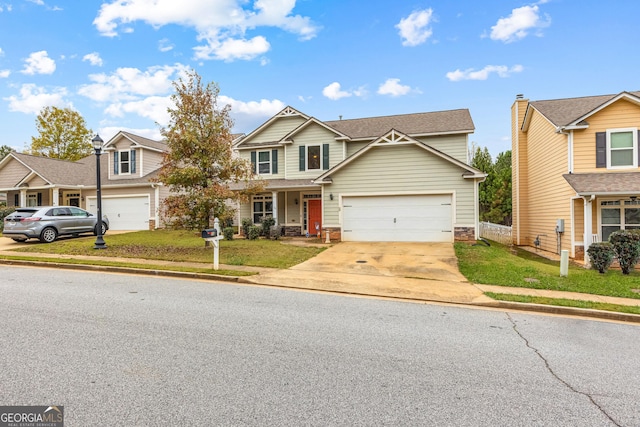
[(32, 99), (232, 49), (4, 74), (39, 63), (518, 25), (249, 115), (221, 25), (152, 107), (108, 132), (93, 58), (130, 84), (334, 93), (393, 87), (483, 74), (414, 29), (164, 45)]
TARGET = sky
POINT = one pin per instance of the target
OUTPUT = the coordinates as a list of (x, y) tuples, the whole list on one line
[(115, 61)]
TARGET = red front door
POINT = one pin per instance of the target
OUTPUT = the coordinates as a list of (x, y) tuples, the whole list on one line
[(315, 216)]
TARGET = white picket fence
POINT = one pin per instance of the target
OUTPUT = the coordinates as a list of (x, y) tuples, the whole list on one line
[(496, 232)]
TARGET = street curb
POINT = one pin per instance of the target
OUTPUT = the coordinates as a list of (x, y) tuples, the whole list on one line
[(504, 305)]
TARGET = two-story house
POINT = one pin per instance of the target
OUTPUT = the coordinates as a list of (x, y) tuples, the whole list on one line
[(393, 178), (576, 170), (128, 164)]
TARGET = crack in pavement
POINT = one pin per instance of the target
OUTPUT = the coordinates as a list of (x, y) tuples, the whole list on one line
[(556, 376)]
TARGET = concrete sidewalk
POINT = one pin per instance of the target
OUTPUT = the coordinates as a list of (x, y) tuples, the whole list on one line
[(399, 271)]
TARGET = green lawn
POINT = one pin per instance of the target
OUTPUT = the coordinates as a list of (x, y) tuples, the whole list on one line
[(184, 246), (497, 265)]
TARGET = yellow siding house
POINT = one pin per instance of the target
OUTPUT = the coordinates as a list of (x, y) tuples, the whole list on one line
[(576, 170)]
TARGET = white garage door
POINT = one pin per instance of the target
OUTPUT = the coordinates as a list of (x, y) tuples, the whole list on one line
[(124, 213), (416, 218)]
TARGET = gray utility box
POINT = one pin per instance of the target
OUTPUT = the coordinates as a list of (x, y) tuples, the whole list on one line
[(209, 233)]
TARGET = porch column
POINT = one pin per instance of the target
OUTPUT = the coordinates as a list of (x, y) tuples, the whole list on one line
[(588, 231), (55, 197), (274, 200), (23, 198)]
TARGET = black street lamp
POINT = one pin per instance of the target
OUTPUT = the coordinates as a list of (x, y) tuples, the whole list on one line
[(97, 145)]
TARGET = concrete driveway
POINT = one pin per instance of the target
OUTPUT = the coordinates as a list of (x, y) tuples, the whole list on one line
[(424, 271)]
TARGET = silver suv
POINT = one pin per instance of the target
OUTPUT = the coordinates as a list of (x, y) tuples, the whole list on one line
[(48, 222)]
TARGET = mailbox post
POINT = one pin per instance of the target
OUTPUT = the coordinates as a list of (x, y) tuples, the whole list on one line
[(214, 235)]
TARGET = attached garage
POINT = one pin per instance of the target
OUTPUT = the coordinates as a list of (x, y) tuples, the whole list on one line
[(402, 218), (124, 213)]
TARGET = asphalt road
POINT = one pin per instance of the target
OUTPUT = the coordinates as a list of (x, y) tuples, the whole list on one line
[(124, 350)]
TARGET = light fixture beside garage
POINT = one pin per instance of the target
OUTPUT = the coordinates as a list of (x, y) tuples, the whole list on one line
[(330, 196)]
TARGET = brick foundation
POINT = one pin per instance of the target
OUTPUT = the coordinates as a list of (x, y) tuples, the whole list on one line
[(292, 230), (152, 224), (579, 253), (334, 234), (464, 234)]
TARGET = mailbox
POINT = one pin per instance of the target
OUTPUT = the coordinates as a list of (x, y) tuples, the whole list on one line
[(209, 233)]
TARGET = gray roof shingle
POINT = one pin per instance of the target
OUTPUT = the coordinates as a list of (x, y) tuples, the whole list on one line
[(562, 112), (604, 183)]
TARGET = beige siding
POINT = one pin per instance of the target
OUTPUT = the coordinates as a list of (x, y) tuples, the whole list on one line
[(621, 114), (36, 181), (312, 135), (12, 173), (277, 130), (547, 195), (401, 170), (354, 147), (452, 145), (148, 161)]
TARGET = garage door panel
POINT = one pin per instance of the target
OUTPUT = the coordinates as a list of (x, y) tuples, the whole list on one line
[(398, 218), (125, 213)]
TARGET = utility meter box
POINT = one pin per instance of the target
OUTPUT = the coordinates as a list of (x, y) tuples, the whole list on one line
[(560, 226)]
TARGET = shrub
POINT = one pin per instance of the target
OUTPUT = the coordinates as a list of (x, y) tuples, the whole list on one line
[(227, 232), (626, 245), (246, 223), (267, 223), (601, 256), (275, 232), (253, 233)]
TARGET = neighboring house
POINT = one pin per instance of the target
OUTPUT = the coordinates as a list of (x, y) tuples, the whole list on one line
[(128, 163), (393, 178), (576, 170)]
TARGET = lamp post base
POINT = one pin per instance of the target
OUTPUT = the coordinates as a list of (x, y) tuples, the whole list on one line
[(100, 244)]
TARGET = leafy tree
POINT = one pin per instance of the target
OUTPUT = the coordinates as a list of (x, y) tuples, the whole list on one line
[(199, 165), (62, 135), (4, 150), (495, 191)]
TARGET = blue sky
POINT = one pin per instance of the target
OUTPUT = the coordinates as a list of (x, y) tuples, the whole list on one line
[(114, 61)]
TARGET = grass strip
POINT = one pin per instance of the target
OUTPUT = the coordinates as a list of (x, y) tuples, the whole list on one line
[(178, 268), (563, 302)]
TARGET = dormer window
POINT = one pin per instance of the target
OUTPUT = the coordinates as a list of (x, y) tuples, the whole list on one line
[(124, 162)]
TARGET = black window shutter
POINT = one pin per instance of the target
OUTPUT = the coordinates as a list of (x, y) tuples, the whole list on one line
[(601, 149), (115, 163), (39, 199), (302, 152), (132, 159), (325, 156), (253, 162), (16, 200), (274, 161)]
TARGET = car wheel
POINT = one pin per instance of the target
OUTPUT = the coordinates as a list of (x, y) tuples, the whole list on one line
[(48, 235), (104, 229), (19, 240)]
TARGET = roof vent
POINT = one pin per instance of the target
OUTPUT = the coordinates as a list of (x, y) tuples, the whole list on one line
[(519, 96)]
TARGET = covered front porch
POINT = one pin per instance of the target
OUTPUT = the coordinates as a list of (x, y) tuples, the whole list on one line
[(26, 196), (604, 203), (296, 206)]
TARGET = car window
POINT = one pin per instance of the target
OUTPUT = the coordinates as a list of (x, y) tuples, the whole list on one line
[(78, 212), (59, 212)]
